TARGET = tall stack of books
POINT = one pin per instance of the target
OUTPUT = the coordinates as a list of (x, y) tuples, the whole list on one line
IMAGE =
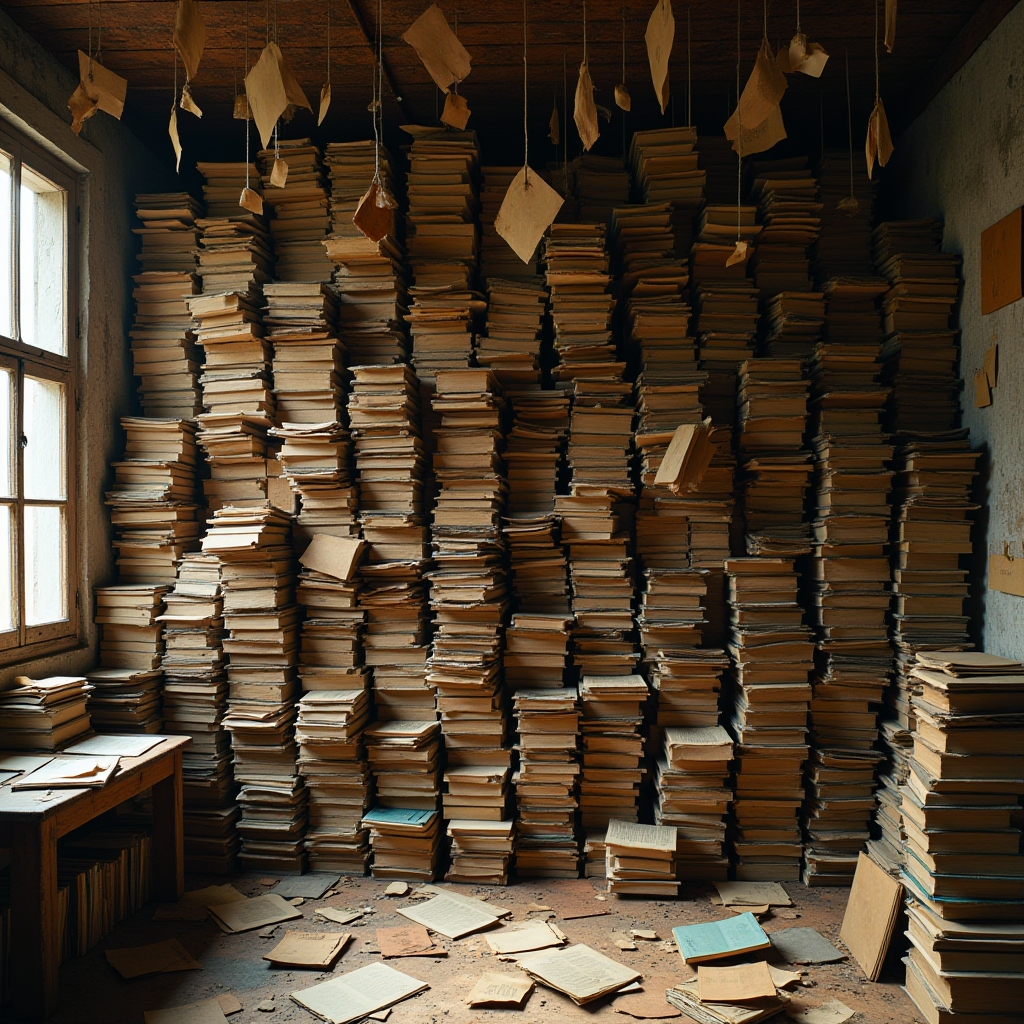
[(405, 841), (773, 654), (547, 782), (497, 258), (963, 871), (647, 265), (847, 197), (262, 623), (391, 465), (613, 756), (163, 345), (481, 850), (153, 504), (848, 600), (511, 349), (125, 689), (299, 216), (195, 695), (370, 276), (602, 183), (793, 323), (44, 714)]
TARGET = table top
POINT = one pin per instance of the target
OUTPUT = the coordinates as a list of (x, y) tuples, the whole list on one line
[(44, 803)]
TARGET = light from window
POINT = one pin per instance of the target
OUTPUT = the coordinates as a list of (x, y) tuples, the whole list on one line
[(42, 262), (44, 430), (45, 544), (7, 600), (6, 248)]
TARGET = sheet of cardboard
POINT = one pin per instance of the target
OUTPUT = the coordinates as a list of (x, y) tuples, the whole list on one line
[(660, 34), (410, 940), (334, 556), (189, 36), (753, 894), (741, 983), (521, 938), (308, 949), (358, 993), (375, 214), (1002, 259), (258, 912), (834, 1012), (449, 917), (585, 110), (103, 87), (325, 103), (172, 131), (760, 99), (1006, 574), (310, 886), (456, 111), (207, 1011), (155, 958), (116, 745), (649, 1003), (872, 911), (805, 946), (622, 98), (890, 25), (447, 61), (494, 989), (527, 211)]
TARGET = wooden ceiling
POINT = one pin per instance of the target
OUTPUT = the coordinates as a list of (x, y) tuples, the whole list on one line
[(932, 41)]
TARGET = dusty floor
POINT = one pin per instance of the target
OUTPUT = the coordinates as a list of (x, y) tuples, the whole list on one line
[(92, 993)]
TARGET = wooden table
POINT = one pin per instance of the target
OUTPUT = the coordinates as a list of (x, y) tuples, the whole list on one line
[(31, 822)]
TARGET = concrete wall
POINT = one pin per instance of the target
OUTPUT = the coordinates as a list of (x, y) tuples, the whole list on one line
[(963, 160), (112, 166)]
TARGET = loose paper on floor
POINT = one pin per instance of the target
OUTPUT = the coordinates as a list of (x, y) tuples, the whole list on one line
[(207, 1011), (258, 912), (834, 1012), (193, 905), (494, 989), (308, 949), (520, 938), (804, 946), (310, 887), (649, 1003), (412, 940), (156, 958), (741, 983), (582, 973), (752, 894), (358, 993), (448, 917), (470, 901)]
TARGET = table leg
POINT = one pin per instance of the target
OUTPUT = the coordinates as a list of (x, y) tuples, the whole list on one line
[(168, 836), (35, 920)]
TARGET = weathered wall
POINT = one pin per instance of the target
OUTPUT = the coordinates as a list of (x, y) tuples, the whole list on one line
[(963, 160), (112, 166)]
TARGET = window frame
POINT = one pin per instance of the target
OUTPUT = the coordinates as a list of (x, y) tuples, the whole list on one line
[(25, 643)]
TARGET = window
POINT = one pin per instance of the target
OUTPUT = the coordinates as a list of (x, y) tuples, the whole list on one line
[(38, 557)]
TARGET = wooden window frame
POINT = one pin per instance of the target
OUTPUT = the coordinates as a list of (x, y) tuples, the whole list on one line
[(26, 643)]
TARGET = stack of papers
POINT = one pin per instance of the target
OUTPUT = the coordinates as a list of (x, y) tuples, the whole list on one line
[(481, 851), (405, 842), (44, 714), (686, 997), (580, 972), (84, 771), (641, 859), (406, 762), (511, 349)]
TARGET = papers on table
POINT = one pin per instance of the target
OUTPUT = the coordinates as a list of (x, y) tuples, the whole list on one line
[(70, 773), (358, 993), (116, 745)]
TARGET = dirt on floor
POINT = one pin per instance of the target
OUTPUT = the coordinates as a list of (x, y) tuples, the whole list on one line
[(91, 992)]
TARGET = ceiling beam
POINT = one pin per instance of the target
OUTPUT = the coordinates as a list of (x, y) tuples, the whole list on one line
[(385, 69)]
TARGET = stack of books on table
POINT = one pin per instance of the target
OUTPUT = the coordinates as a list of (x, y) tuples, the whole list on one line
[(641, 859), (44, 714), (405, 842)]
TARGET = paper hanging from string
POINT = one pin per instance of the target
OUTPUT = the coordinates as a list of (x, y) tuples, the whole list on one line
[(878, 145), (529, 207), (98, 89), (738, 254), (661, 33), (189, 36), (807, 58), (622, 99), (437, 46), (251, 201), (273, 91), (279, 173), (172, 130), (759, 106), (456, 111), (890, 25), (188, 102), (375, 214), (585, 111), (325, 102), (554, 127), (241, 111)]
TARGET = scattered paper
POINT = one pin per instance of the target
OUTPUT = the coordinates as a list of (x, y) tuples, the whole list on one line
[(410, 940), (375, 214), (310, 886), (207, 1011), (872, 911), (713, 940), (308, 949), (397, 889), (69, 773), (834, 1012), (189, 35), (358, 993), (444, 57), (649, 1003), (272, 90), (804, 946), (554, 128), (469, 901), (783, 978), (228, 1003), (172, 131), (449, 917), (493, 989), (258, 912), (193, 905), (527, 211), (890, 25), (325, 102), (188, 103), (338, 916), (251, 201), (585, 111), (156, 958), (878, 145), (661, 33), (456, 111), (582, 973), (741, 983), (115, 745), (623, 942), (753, 894), (647, 934), (520, 938), (622, 100)]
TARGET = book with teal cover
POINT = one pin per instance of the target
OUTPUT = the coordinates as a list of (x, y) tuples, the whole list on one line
[(715, 939), (397, 816)]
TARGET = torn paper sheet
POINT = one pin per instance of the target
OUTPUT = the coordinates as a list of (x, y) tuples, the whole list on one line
[(358, 993), (325, 103), (449, 917), (445, 58), (156, 958), (272, 91), (661, 33), (82, 107), (878, 145), (308, 949), (807, 58), (585, 111), (188, 103), (104, 88), (758, 102), (189, 36), (762, 137), (649, 1003), (240, 112), (375, 214), (494, 989), (521, 938), (890, 25), (456, 111), (622, 100), (991, 364), (251, 201), (279, 173), (527, 211), (554, 127)]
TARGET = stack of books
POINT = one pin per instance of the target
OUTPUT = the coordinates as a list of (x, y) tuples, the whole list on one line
[(195, 695), (693, 792), (792, 323), (369, 276), (126, 686), (773, 655), (644, 243), (964, 871), (613, 761), (537, 643), (405, 842), (405, 758), (602, 183), (153, 505), (481, 851), (726, 324), (844, 244), (547, 782), (297, 210), (44, 714), (641, 859), (261, 619), (497, 258), (719, 227), (163, 345), (511, 348)]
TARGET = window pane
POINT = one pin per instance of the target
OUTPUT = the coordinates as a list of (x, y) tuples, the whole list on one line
[(6, 571), (44, 430), (45, 564), (6, 247), (6, 433), (42, 259)]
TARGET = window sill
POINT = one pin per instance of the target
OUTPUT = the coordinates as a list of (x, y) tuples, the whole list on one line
[(42, 649)]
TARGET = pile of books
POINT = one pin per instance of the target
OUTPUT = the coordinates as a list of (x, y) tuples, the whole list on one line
[(964, 871), (537, 643), (602, 183), (641, 859), (715, 262), (773, 655), (792, 323), (405, 842), (481, 851), (261, 619), (163, 345), (726, 324), (195, 692), (644, 243), (497, 258), (547, 782), (298, 214), (511, 348), (405, 758), (44, 714), (127, 684)]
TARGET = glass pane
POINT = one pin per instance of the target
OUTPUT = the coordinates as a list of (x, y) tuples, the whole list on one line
[(6, 571), (44, 437), (6, 247), (42, 263), (6, 434), (45, 583)]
